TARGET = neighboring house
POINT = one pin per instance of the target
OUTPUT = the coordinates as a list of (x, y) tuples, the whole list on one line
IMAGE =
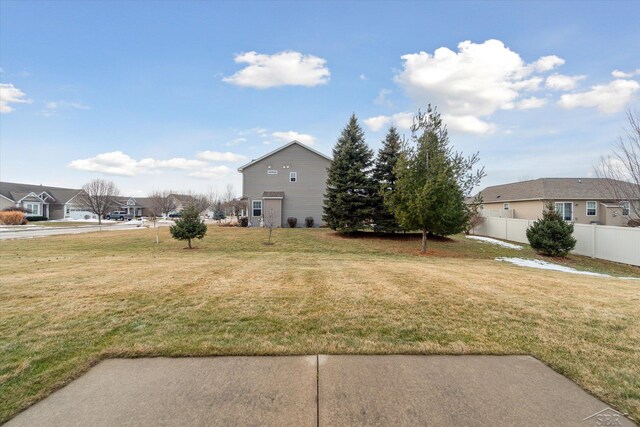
[(135, 206), (580, 200), (59, 203), (287, 182), (40, 200)]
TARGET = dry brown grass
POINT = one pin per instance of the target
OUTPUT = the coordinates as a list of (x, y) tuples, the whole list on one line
[(68, 301)]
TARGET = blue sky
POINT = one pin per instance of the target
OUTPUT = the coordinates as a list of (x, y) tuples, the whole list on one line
[(158, 95)]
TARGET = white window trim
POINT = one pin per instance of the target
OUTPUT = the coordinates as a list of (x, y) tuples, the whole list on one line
[(626, 206), (572, 210), (253, 208), (293, 176), (587, 208), (505, 206), (272, 171), (39, 211)]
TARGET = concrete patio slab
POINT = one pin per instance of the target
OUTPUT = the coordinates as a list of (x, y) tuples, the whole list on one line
[(450, 391), (216, 391)]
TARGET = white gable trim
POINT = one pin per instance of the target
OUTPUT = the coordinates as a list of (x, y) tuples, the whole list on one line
[(34, 195), (5, 197), (76, 195), (240, 169)]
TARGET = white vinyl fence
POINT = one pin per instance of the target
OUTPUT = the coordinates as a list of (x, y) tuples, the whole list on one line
[(620, 244)]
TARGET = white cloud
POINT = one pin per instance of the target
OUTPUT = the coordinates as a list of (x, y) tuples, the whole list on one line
[(608, 99), (291, 135), (119, 163), (377, 123), (476, 81), (382, 99), (211, 172), (468, 124), (217, 156), (175, 163), (530, 103), (547, 63), (9, 94), (622, 75), (287, 68), (400, 120), (562, 82), (363, 77), (52, 107), (236, 141)]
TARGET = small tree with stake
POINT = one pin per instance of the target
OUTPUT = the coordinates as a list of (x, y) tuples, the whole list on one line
[(189, 225), (551, 235)]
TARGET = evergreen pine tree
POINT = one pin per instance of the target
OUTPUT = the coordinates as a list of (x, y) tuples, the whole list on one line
[(384, 178), (551, 235), (432, 181), (347, 200), (189, 225)]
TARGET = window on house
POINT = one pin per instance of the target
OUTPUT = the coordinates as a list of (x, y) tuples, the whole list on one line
[(625, 208), (272, 172), (34, 208), (565, 209), (257, 208), (293, 176), (592, 208), (505, 206)]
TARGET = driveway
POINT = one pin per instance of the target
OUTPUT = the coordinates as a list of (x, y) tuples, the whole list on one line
[(321, 391)]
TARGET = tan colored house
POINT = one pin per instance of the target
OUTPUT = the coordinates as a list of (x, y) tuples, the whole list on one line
[(579, 200), (287, 182)]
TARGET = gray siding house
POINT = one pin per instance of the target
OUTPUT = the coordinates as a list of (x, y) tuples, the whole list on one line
[(287, 182)]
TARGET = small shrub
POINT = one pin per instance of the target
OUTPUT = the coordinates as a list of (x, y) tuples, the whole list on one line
[(35, 218), (12, 218), (292, 222), (219, 215), (308, 221), (551, 235), (243, 221)]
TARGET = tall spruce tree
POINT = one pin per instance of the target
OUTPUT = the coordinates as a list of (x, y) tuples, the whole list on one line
[(348, 197), (432, 181), (384, 178)]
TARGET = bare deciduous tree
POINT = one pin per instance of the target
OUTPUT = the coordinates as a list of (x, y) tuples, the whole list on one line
[(98, 196), (269, 223), (162, 202), (201, 201), (621, 169)]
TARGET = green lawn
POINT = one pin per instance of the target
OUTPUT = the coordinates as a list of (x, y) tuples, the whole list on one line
[(67, 302)]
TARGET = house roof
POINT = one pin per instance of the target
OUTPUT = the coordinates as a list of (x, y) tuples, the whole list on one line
[(183, 198), (273, 194), (241, 168), (549, 189), (11, 190)]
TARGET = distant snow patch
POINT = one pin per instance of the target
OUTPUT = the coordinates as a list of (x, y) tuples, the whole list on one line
[(495, 242), (543, 265)]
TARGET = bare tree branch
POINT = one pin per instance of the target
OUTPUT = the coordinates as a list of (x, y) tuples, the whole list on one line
[(620, 171), (98, 196)]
